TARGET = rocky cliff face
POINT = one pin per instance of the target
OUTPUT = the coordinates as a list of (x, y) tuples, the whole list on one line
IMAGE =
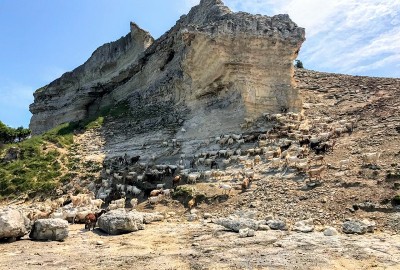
[(213, 68)]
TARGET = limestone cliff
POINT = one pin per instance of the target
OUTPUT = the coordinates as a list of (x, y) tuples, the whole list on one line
[(214, 64)]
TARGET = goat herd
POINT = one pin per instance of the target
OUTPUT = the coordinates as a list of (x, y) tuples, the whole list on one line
[(292, 142)]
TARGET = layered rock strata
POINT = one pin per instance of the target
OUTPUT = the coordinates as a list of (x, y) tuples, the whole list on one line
[(222, 65)]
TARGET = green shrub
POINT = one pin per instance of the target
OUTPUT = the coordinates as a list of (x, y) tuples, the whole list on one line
[(298, 64)]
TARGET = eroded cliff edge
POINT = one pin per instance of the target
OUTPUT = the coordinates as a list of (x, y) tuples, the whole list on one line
[(213, 66)]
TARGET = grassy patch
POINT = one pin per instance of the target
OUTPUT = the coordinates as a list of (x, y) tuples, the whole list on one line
[(37, 168)]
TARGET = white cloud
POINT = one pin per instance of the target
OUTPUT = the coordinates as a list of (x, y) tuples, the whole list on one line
[(345, 36)]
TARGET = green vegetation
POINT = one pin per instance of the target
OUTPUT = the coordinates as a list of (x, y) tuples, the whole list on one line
[(10, 135), (298, 64), (35, 169), (38, 166)]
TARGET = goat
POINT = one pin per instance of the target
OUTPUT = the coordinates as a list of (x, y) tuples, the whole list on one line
[(291, 160), (91, 219), (246, 183), (192, 178), (176, 180), (275, 162), (97, 203), (370, 158), (316, 172), (156, 199), (226, 188), (167, 192), (257, 159), (344, 162), (191, 203), (134, 202), (319, 158), (155, 192)]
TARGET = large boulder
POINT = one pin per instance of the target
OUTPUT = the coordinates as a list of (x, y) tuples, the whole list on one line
[(236, 224), (120, 221), (13, 224), (358, 226), (50, 229)]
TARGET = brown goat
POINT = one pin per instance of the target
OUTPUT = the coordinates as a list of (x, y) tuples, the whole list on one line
[(246, 183), (91, 219), (176, 180), (191, 203)]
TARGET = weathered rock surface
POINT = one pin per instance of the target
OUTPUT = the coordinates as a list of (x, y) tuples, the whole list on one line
[(13, 224), (358, 227), (120, 221), (304, 226), (50, 229), (211, 61), (275, 224), (330, 231), (237, 224)]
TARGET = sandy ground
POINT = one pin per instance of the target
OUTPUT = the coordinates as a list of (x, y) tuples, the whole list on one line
[(203, 245)]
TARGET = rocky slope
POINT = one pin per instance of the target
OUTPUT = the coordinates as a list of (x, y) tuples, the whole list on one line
[(213, 62)]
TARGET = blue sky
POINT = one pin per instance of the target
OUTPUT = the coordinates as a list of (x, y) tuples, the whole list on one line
[(42, 39)]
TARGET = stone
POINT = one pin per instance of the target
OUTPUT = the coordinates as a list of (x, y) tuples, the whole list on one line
[(120, 221), (246, 232), (251, 233), (13, 224), (330, 231), (250, 71), (263, 227), (358, 227), (277, 224), (304, 226), (152, 217), (192, 217), (235, 224), (50, 229), (207, 216)]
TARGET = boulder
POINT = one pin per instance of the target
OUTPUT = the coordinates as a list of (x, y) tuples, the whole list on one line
[(13, 224), (304, 226), (275, 224), (120, 221), (358, 227), (236, 224), (50, 229), (330, 231)]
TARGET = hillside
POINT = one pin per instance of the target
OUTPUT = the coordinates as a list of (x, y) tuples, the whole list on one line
[(354, 192)]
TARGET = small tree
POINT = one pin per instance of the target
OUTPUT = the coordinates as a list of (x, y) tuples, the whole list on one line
[(298, 64)]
